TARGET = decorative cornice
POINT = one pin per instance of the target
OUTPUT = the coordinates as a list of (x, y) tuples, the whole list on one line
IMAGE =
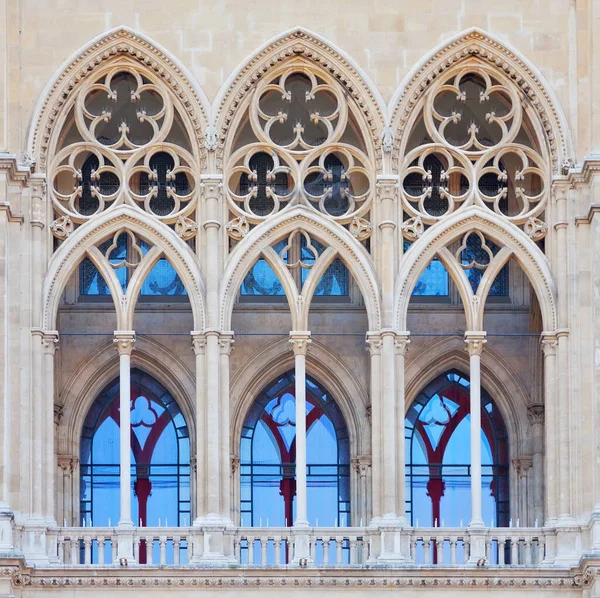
[(146, 578)]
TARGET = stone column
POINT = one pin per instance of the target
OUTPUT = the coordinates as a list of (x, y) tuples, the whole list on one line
[(300, 342), (199, 348), (301, 539), (388, 425), (561, 226), (549, 344), (522, 465), (361, 468), (402, 342), (226, 346), (124, 340), (213, 429), (475, 341), (374, 343), (535, 413), (52, 415), (66, 464)]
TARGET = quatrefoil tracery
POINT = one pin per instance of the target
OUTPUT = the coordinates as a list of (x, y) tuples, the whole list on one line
[(474, 122), (124, 143), (300, 119)]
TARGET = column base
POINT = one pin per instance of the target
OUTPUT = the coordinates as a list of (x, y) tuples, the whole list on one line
[(7, 519), (568, 538), (301, 540), (212, 542), (34, 541), (477, 532), (125, 537), (393, 544)]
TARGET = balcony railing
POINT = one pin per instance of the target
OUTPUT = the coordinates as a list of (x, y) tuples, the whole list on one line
[(274, 547)]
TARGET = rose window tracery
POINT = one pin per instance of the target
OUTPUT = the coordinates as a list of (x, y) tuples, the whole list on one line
[(474, 141), (124, 142), (298, 143)]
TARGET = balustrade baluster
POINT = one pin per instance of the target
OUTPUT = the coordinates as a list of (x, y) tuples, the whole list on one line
[(87, 552), (326, 541), (250, 550), (149, 549), (352, 541), (514, 550), (453, 541), (277, 546), (162, 542), (101, 547), (61, 549), (176, 549), (339, 542)]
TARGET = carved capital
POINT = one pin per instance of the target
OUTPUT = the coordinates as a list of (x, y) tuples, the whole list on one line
[(124, 341), (198, 343), (522, 464), (475, 342), (374, 342), (401, 343), (67, 464), (549, 343), (58, 413), (48, 339), (212, 185), (535, 413), (300, 341), (361, 465), (226, 343)]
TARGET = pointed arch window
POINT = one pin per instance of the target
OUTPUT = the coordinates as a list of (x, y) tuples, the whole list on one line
[(160, 457), (267, 457), (437, 463)]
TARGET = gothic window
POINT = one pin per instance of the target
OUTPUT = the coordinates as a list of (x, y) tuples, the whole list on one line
[(300, 253), (267, 458), (475, 258), (160, 458), (473, 141), (437, 429), (124, 254), (297, 141), (125, 141), (434, 282)]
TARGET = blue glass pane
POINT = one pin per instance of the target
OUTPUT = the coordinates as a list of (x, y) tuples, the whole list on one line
[(163, 280), (433, 282), (334, 282), (91, 281), (262, 281)]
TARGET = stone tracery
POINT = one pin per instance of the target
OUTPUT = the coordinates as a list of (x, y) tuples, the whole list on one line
[(298, 144)]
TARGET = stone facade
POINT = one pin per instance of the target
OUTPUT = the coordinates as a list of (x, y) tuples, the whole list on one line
[(389, 76)]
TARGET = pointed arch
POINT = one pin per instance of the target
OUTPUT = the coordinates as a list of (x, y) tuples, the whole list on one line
[(497, 377), (87, 381), (349, 250), (528, 254), (475, 42), (72, 251), (300, 42), (322, 364), (118, 42)]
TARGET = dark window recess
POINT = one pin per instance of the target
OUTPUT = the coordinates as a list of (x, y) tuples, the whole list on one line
[(162, 204), (107, 183), (262, 164), (316, 183)]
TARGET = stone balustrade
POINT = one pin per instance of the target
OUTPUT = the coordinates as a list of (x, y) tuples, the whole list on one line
[(274, 547)]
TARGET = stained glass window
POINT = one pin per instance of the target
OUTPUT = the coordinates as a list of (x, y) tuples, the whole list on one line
[(438, 473), (267, 453), (475, 253), (160, 458)]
